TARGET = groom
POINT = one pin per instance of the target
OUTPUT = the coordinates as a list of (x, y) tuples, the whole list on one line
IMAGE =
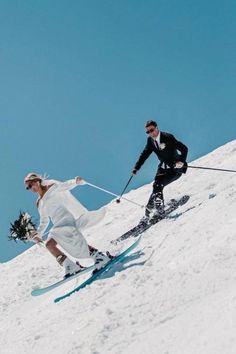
[(172, 155)]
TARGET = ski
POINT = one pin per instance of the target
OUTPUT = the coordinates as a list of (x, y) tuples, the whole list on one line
[(143, 226), (96, 275), (41, 291)]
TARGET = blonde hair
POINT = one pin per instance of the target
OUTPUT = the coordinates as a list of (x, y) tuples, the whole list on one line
[(35, 177)]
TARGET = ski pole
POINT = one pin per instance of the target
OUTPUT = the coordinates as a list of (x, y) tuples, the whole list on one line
[(118, 200), (212, 169), (113, 194)]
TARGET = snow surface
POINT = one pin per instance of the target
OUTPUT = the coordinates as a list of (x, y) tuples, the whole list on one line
[(176, 294)]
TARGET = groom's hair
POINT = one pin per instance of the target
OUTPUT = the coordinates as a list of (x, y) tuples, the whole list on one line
[(150, 122)]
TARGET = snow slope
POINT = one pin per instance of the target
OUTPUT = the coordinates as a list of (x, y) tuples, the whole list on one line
[(175, 295)]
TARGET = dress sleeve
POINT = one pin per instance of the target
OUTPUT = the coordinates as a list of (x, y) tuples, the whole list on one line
[(67, 185), (44, 221)]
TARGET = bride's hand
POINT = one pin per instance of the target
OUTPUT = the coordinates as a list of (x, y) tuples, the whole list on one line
[(80, 180)]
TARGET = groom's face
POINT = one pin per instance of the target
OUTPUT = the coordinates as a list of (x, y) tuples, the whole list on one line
[(152, 131)]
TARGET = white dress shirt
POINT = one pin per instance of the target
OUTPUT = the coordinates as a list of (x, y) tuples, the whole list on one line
[(157, 140)]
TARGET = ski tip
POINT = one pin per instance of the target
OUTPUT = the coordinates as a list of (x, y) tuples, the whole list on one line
[(36, 292)]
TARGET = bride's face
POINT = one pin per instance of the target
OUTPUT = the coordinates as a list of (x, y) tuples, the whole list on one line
[(33, 186)]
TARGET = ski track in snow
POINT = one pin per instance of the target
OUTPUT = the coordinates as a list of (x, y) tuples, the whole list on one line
[(176, 294)]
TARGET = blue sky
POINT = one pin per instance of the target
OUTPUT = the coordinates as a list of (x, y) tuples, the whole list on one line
[(80, 78)]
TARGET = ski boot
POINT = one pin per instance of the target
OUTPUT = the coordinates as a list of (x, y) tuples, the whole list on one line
[(70, 267)]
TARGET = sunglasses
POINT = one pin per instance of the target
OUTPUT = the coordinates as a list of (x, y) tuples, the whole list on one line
[(150, 131), (29, 186)]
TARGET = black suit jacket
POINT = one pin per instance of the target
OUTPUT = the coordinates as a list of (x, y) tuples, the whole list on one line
[(167, 153)]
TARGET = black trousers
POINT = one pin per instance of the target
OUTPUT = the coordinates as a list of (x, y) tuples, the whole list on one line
[(163, 178)]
